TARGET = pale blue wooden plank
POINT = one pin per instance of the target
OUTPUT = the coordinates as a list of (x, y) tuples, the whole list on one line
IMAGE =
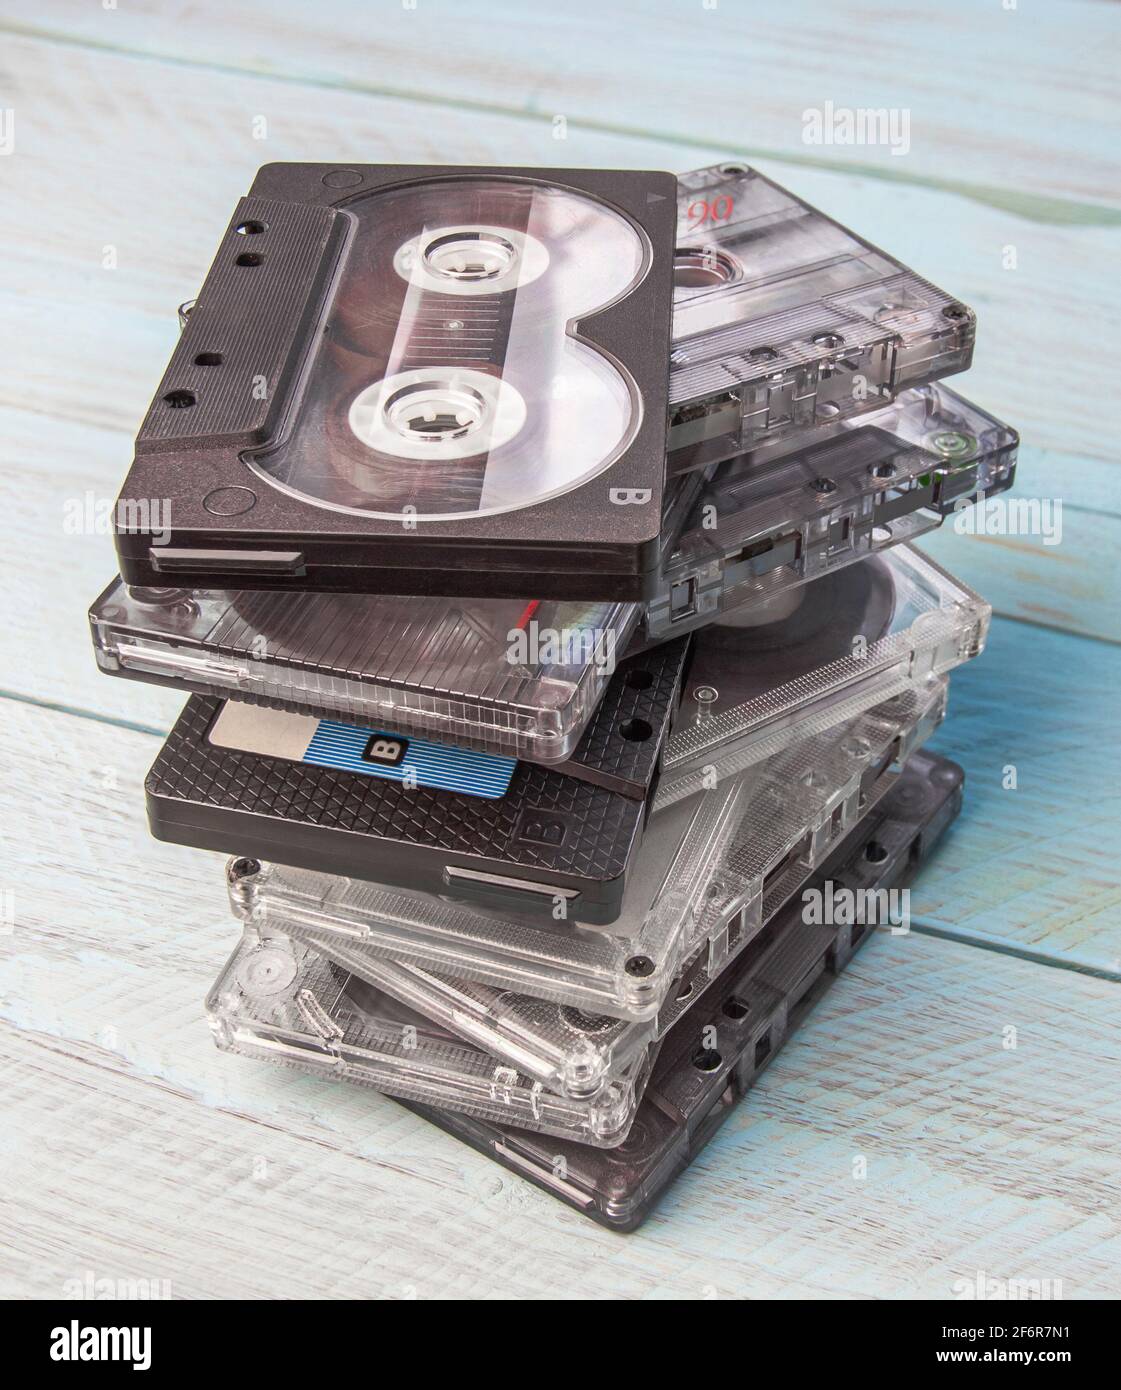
[(1034, 868), (1012, 106)]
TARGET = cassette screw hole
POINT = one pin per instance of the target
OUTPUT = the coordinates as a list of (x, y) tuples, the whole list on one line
[(243, 868), (823, 486), (208, 359), (638, 680), (250, 228), (684, 991), (955, 312), (762, 354), (248, 258), (734, 169), (735, 1009), (706, 1059), (639, 966), (636, 730), (882, 470), (180, 400), (874, 852), (828, 340), (706, 695)]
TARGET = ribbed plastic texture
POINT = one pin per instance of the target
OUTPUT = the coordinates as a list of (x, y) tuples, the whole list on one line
[(503, 676)]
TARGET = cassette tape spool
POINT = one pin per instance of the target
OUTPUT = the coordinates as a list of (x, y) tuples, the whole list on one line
[(750, 1012), (767, 674), (708, 872), (362, 801), (784, 320), (873, 481), (417, 379), (279, 1000)]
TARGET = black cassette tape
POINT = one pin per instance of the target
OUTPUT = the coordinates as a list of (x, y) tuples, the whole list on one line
[(410, 379), (739, 1022), (371, 804)]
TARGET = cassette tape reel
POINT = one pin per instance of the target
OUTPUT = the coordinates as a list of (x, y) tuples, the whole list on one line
[(419, 380), (767, 674), (794, 514)]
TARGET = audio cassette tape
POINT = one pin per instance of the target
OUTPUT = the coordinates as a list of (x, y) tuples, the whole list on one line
[(709, 870), (507, 676), (568, 1050), (873, 481), (766, 674), (359, 800), (738, 1024), (784, 320), (416, 379), (281, 1001)]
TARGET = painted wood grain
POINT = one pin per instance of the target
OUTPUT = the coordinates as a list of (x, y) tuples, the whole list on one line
[(1009, 104), (138, 1151)]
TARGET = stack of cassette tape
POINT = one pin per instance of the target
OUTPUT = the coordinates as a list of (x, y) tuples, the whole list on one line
[(535, 548)]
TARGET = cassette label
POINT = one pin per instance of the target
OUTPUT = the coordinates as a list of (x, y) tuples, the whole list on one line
[(367, 752)]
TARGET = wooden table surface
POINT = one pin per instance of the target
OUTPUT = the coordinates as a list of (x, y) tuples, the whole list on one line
[(131, 1148)]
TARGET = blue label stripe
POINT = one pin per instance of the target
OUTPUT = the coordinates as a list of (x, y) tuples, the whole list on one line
[(438, 765)]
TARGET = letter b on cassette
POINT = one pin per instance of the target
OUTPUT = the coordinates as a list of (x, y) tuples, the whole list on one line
[(629, 496)]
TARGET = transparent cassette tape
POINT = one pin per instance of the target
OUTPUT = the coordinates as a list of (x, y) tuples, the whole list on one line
[(502, 676), (820, 653), (280, 1000), (737, 1025), (870, 482), (783, 319), (709, 870), (505, 676), (577, 1053)]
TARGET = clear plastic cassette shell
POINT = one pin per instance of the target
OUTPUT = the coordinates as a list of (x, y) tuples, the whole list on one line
[(766, 676), (736, 1024), (279, 1000), (499, 675), (708, 872), (410, 379), (867, 483), (784, 319)]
